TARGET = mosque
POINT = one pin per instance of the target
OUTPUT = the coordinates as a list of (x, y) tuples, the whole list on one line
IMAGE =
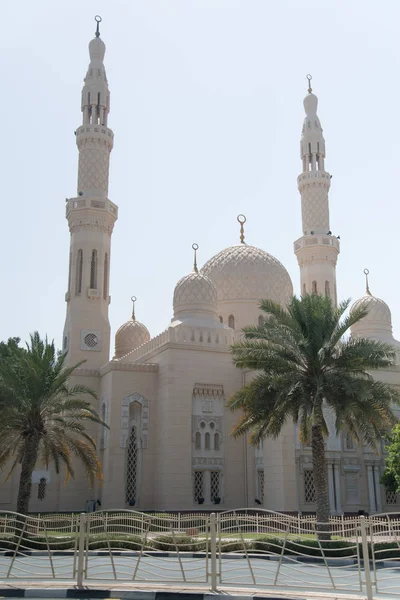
[(168, 446)]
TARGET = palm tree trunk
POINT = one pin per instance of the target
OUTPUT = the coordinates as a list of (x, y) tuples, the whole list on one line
[(25, 480), (320, 482)]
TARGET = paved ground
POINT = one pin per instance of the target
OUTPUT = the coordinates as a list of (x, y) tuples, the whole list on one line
[(290, 577)]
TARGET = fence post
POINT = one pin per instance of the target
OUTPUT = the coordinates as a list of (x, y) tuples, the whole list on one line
[(213, 548), (364, 540), (81, 549)]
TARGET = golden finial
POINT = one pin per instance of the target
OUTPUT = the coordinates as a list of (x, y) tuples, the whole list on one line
[(242, 220), (195, 248), (309, 77), (366, 273), (133, 298)]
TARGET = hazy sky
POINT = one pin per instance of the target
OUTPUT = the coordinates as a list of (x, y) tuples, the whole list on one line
[(207, 110)]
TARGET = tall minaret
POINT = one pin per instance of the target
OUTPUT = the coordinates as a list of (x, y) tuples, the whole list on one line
[(317, 249), (91, 217)]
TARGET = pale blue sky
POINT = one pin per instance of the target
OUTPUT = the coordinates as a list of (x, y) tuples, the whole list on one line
[(206, 108)]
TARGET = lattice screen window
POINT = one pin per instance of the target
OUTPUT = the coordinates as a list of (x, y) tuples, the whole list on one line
[(391, 497), (131, 469), (105, 281), (93, 270), (198, 485), (214, 485), (349, 442), (309, 487), (260, 476), (42, 488), (79, 269)]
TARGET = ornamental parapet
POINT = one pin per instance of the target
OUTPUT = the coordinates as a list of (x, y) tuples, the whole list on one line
[(84, 202), (96, 133), (313, 179), (325, 241)]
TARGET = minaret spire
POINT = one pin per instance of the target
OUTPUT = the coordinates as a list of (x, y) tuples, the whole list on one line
[(317, 249), (91, 217)]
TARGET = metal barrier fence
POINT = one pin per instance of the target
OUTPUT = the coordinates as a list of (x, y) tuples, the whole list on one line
[(241, 547)]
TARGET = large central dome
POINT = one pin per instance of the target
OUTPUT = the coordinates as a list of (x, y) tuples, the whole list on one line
[(246, 272)]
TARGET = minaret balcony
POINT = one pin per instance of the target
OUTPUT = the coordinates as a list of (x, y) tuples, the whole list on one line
[(82, 202), (317, 240), (308, 178)]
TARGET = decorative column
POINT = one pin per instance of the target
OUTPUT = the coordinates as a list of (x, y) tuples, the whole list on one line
[(317, 250)]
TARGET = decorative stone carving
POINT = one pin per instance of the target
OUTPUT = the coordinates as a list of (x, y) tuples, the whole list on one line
[(126, 402)]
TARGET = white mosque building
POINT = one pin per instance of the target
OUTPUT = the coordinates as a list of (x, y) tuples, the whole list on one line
[(164, 398)]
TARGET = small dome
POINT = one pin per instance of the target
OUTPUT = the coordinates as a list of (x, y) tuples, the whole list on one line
[(246, 272), (310, 104), (130, 335), (195, 292), (97, 49), (378, 321)]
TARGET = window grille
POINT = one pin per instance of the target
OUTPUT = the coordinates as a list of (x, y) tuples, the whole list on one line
[(198, 485), (42, 488), (198, 441), (214, 485), (261, 486), (207, 441), (327, 289), (314, 287), (348, 442), (231, 321), (105, 282), (79, 269), (216, 442), (131, 469), (309, 487), (391, 497), (93, 270)]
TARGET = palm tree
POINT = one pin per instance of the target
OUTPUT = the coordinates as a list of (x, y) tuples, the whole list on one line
[(43, 417), (305, 369)]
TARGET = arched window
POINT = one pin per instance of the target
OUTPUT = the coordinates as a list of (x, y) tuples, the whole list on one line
[(314, 287), (207, 441), (105, 282), (69, 272), (260, 321), (79, 269), (103, 435), (131, 469), (198, 441), (221, 320), (42, 488), (231, 321), (93, 270), (327, 289), (216, 442)]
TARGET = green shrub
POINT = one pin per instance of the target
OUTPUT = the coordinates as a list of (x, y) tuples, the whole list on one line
[(183, 543), (10, 542), (116, 541), (307, 547)]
